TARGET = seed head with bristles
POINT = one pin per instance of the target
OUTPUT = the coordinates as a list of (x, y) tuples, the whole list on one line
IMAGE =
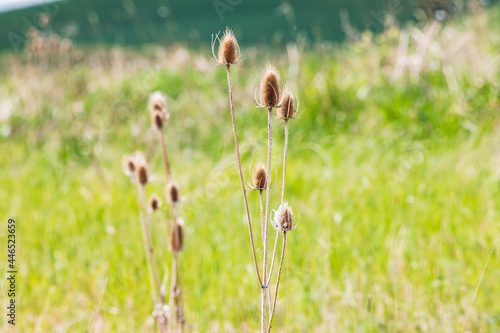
[(283, 218), (173, 195), (259, 179), (154, 202), (141, 172), (229, 50), (158, 120), (177, 236), (158, 102), (287, 108), (269, 88), (131, 162)]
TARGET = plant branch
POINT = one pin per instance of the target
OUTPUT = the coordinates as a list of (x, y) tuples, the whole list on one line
[(278, 281), (239, 169)]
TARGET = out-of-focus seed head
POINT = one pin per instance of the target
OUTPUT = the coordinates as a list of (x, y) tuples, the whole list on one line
[(173, 195), (141, 172), (158, 102), (157, 119), (269, 87), (283, 218), (177, 236), (259, 178), (154, 202), (287, 108)]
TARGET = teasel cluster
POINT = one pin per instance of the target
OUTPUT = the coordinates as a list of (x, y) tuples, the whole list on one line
[(280, 103), (168, 314)]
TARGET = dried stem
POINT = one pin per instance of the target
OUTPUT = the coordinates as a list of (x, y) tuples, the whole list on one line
[(266, 225), (165, 155), (278, 281), (148, 246), (284, 162), (173, 291), (271, 270), (241, 174), (154, 278), (262, 215)]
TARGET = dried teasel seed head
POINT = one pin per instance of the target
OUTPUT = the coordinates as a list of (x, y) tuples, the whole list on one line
[(287, 108), (283, 218), (259, 178), (229, 51), (158, 120), (269, 87), (141, 172), (154, 202), (158, 102), (173, 195), (129, 165), (177, 236)]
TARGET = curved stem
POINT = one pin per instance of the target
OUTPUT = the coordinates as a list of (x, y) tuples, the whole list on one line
[(268, 176), (284, 161), (241, 174), (278, 282)]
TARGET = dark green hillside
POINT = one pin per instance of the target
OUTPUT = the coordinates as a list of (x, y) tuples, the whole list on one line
[(132, 21)]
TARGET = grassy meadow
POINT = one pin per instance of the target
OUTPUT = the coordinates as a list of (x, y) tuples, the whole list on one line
[(393, 167)]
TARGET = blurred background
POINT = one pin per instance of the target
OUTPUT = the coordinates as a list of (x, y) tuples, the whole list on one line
[(393, 164)]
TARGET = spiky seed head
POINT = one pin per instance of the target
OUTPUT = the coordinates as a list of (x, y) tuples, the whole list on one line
[(129, 165), (158, 102), (154, 202), (177, 236), (283, 218), (259, 178), (141, 172), (229, 51), (173, 195), (157, 119), (269, 87), (287, 109)]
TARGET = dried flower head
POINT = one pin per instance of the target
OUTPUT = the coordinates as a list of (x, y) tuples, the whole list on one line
[(283, 218), (130, 163), (157, 119), (158, 102), (173, 195), (269, 88), (177, 236), (287, 108), (259, 178), (229, 50), (141, 172), (154, 202)]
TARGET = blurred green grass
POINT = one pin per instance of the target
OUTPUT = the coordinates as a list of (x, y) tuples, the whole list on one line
[(395, 179)]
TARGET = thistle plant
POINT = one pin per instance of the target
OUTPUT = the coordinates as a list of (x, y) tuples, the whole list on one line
[(270, 98), (169, 317)]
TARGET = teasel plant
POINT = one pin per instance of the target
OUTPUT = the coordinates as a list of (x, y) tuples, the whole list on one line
[(169, 316), (271, 99)]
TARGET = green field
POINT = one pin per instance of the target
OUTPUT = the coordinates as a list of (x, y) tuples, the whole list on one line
[(395, 177)]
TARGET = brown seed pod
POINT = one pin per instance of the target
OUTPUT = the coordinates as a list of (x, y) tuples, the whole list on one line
[(283, 218), (141, 173), (229, 51), (154, 202), (158, 102), (259, 178), (173, 195), (157, 119), (269, 87), (287, 108), (177, 236), (129, 165)]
